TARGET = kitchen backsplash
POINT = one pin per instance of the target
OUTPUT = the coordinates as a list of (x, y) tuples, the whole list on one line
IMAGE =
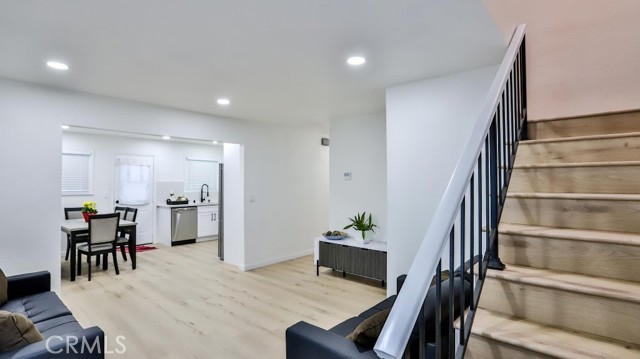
[(163, 188)]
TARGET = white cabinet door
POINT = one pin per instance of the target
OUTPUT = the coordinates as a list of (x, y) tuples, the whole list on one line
[(207, 221)]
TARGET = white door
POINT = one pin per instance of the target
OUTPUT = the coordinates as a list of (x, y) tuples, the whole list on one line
[(134, 188)]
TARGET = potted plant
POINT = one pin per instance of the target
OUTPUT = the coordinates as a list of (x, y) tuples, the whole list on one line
[(89, 209), (362, 223)]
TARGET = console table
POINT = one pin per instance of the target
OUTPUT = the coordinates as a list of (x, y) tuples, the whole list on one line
[(350, 256)]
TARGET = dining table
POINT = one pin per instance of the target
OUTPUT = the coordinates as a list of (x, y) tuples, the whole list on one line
[(78, 226)]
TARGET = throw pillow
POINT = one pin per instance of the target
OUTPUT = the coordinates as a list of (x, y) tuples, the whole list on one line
[(3, 288), (444, 275), (367, 332), (16, 331)]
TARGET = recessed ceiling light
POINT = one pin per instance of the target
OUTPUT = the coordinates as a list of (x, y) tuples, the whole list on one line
[(223, 101), (65, 127), (166, 137), (57, 65), (356, 60), (215, 142)]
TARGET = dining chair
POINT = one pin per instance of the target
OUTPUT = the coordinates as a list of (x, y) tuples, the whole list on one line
[(103, 231), (73, 213), (123, 215), (123, 238), (122, 211)]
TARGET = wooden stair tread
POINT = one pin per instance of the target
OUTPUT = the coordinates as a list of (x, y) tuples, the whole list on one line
[(577, 283), (548, 340), (581, 138), (582, 196), (601, 114), (580, 164), (585, 235)]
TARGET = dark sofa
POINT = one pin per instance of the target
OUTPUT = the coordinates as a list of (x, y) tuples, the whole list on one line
[(31, 295), (307, 341)]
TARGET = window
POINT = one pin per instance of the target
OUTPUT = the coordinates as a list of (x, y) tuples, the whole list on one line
[(77, 173), (199, 172), (134, 179)]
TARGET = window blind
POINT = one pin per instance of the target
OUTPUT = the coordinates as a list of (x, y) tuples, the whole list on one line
[(76, 172), (199, 172)]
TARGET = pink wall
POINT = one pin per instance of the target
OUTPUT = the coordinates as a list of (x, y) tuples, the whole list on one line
[(583, 56)]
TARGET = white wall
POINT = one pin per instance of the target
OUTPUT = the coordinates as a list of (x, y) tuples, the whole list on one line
[(582, 55), (30, 145), (358, 145), (428, 123), (286, 168)]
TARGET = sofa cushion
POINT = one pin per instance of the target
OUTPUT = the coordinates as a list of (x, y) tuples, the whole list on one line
[(38, 307), (16, 331), (59, 326), (4, 286), (367, 332)]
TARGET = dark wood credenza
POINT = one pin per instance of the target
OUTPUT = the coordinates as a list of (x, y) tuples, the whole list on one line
[(350, 256)]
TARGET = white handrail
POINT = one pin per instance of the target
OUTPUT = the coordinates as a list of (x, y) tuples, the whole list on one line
[(397, 329)]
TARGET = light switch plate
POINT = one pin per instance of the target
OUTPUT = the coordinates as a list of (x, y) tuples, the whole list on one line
[(347, 176)]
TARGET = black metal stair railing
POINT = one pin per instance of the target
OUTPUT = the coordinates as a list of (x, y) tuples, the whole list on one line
[(463, 237)]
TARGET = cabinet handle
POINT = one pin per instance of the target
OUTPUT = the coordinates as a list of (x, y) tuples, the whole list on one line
[(212, 216), (215, 216)]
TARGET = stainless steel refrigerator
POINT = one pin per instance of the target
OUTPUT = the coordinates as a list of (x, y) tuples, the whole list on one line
[(221, 211)]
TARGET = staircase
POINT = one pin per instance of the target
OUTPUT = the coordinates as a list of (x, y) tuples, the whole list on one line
[(570, 237)]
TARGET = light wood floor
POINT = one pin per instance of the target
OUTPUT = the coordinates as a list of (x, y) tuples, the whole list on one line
[(183, 302)]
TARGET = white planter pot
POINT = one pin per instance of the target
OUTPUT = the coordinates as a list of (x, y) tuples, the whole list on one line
[(357, 236)]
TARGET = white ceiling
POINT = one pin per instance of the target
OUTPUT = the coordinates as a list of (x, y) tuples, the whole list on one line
[(277, 60)]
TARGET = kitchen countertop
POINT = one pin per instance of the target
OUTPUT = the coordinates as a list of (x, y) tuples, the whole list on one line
[(186, 205)]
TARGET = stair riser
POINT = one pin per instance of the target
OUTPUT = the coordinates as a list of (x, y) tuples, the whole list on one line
[(605, 179), (590, 258), (483, 348), (586, 126), (563, 309), (592, 150), (607, 215)]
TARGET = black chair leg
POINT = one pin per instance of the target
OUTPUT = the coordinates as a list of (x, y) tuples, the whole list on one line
[(97, 260), (79, 261), (105, 262), (66, 256), (123, 251), (89, 274), (115, 261)]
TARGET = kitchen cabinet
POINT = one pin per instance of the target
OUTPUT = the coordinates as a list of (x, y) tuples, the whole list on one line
[(207, 222)]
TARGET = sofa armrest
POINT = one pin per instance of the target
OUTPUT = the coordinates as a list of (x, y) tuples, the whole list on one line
[(22, 285), (89, 344), (306, 341), (400, 282)]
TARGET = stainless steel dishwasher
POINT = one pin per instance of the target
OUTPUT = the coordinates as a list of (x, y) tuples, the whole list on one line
[(184, 225)]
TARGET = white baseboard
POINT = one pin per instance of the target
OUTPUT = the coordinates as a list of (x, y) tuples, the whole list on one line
[(248, 267)]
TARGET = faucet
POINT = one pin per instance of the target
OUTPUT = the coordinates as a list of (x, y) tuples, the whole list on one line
[(202, 192)]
